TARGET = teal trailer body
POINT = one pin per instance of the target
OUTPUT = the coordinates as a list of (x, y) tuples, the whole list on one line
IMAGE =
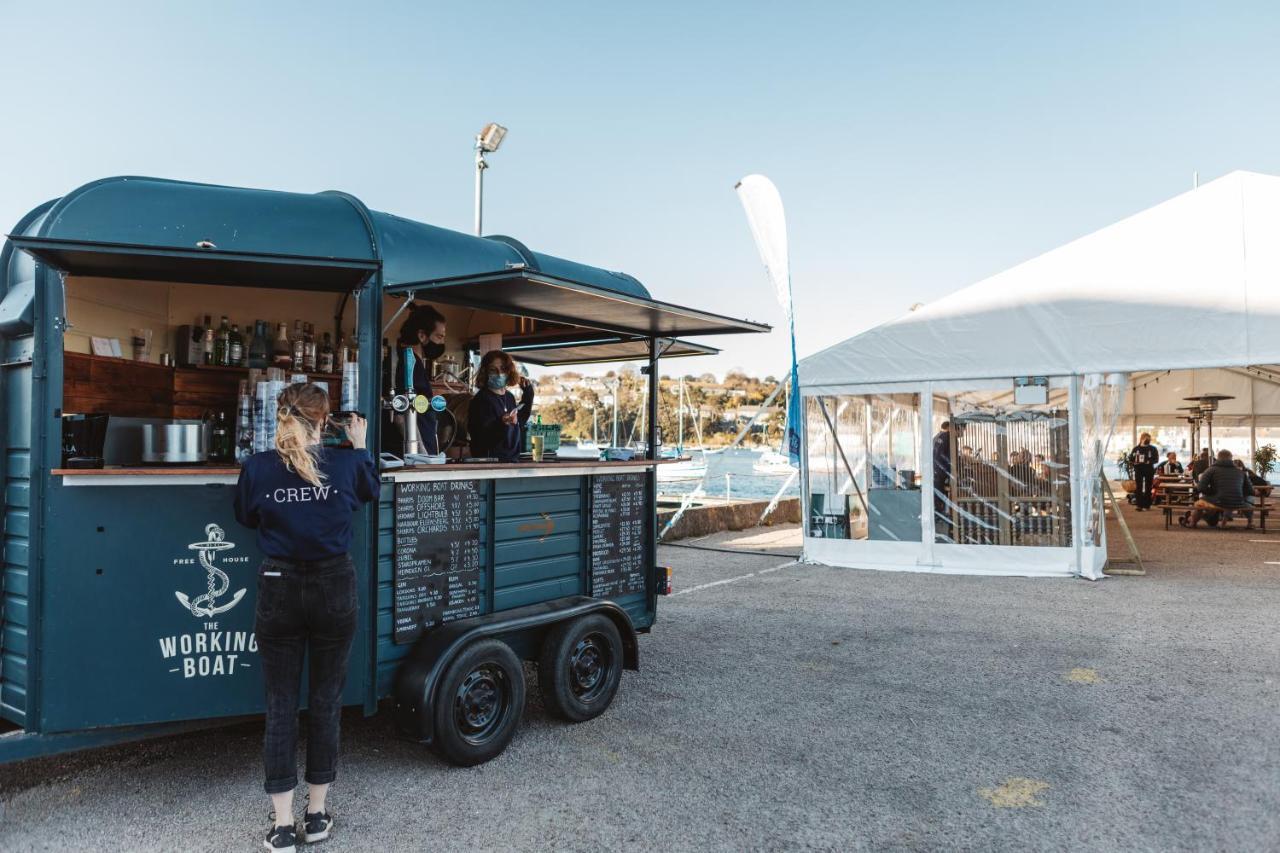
[(104, 634)]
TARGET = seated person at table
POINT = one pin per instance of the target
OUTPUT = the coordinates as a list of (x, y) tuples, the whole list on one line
[(1201, 463), (1258, 482), (1222, 487), (495, 421), (1170, 466)]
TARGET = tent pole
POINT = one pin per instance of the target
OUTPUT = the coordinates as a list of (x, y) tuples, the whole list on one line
[(1077, 463), (924, 416), (805, 509)]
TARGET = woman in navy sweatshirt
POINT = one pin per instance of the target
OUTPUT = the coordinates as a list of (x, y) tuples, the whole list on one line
[(495, 421), (301, 499)]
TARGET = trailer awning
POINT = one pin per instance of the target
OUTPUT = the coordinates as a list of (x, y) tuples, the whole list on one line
[(526, 292), (560, 350), (198, 266)]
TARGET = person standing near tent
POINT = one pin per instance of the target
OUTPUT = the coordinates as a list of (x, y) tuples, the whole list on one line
[(942, 473), (1144, 458)]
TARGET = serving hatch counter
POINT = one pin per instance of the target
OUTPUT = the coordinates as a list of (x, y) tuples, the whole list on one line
[(205, 475)]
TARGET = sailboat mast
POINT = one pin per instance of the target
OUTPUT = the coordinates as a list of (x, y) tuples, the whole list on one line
[(680, 416)]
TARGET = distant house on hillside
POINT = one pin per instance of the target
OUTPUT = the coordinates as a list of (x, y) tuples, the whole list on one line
[(740, 415)]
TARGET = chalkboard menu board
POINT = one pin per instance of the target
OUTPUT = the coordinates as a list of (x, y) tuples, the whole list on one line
[(619, 524), (437, 555)]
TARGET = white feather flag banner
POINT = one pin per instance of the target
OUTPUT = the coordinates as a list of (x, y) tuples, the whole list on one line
[(768, 222)]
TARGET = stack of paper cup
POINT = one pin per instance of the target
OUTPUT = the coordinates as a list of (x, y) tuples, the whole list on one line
[(350, 386)]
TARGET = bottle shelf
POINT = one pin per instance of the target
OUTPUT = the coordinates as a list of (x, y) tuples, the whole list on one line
[(244, 371)]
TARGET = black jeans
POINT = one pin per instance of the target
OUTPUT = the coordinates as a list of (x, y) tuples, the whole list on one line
[(304, 609), (1142, 475)]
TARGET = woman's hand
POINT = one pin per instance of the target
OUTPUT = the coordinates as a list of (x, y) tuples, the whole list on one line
[(510, 417), (356, 429)]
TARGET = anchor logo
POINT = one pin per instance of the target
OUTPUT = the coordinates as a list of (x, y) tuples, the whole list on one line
[(219, 583)]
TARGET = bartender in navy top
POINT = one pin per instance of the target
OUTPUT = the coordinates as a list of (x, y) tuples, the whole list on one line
[(424, 332), (301, 499), (495, 421)]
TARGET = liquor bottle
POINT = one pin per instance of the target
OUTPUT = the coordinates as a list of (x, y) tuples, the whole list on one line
[(344, 352), (325, 363), (309, 353), (244, 422), (222, 345), (220, 446), (206, 357), (281, 349), (299, 347), (259, 348), (235, 352)]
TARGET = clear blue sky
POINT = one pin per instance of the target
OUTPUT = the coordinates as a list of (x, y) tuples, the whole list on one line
[(918, 146)]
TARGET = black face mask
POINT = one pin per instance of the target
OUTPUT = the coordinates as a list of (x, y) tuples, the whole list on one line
[(432, 350)]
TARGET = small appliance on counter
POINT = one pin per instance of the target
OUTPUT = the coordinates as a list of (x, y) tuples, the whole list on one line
[(180, 443), (83, 440)]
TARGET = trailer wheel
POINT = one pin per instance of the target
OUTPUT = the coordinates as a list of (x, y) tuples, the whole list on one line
[(479, 703), (580, 667)]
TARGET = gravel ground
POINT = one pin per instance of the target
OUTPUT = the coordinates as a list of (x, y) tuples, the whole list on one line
[(802, 707)]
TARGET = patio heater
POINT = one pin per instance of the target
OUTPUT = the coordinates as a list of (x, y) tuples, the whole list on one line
[(1208, 404), (487, 142), (1193, 419)]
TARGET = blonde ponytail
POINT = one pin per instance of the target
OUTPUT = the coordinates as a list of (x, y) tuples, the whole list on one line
[(300, 411)]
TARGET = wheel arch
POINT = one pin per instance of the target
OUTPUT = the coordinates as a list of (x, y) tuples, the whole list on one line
[(418, 678)]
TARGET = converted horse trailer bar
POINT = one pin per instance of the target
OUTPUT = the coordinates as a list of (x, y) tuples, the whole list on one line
[(129, 589)]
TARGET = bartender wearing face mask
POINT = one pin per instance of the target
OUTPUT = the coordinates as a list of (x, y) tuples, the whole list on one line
[(423, 332), (495, 420)]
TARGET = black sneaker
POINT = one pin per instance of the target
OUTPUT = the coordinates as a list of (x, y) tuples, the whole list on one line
[(282, 839), (316, 826)]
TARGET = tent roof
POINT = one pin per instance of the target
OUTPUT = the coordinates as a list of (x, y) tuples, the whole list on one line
[(1191, 282)]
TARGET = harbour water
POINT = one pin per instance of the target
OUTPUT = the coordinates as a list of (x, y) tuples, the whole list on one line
[(738, 472)]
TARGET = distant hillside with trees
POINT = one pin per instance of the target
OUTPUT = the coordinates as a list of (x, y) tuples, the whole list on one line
[(717, 410)]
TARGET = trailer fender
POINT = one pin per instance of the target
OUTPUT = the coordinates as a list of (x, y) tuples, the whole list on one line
[(419, 675)]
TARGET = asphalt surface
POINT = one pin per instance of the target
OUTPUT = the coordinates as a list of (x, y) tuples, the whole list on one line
[(797, 707)]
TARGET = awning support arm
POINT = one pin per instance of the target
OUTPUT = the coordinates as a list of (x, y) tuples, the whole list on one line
[(408, 300)]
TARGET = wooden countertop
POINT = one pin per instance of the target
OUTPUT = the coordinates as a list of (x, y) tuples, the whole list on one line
[(228, 474), (234, 470), (567, 462), (154, 470)]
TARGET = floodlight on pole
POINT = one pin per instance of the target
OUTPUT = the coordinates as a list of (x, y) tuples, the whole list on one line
[(487, 141)]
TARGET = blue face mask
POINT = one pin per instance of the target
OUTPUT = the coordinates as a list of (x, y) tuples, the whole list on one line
[(497, 381)]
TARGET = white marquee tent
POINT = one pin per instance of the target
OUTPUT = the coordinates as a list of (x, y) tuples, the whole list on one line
[(1033, 367)]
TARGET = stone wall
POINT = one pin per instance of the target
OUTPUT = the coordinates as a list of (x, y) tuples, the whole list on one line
[(738, 515)]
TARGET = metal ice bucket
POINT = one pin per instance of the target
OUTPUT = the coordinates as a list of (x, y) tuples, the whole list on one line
[(175, 443)]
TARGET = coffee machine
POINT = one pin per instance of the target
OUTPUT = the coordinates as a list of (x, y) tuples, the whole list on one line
[(83, 439)]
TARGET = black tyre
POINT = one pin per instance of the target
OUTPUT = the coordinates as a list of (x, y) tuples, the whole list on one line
[(478, 705), (580, 667)]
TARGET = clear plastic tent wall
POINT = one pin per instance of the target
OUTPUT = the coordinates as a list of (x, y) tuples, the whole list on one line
[(961, 477), (1100, 403)]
